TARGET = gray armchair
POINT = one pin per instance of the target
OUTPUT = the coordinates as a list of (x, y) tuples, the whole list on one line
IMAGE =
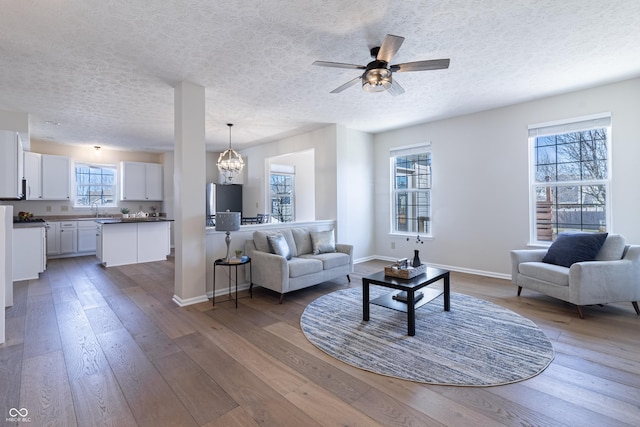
[(614, 276)]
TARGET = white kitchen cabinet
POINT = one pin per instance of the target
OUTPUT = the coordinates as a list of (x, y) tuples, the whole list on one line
[(153, 181), (67, 237), (29, 258), (71, 238), (153, 241), (119, 244), (56, 177), (86, 236), (130, 243), (53, 244), (98, 230), (11, 164), (141, 181), (33, 175)]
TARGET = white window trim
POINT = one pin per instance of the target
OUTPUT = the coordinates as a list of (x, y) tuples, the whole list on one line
[(568, 125), (289, 170), (399, 151), (74, 189)]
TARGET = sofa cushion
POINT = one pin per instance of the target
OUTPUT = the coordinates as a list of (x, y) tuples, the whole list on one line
[(323, 241), (302, 240), (331, 259), (261, 241), (570, 248), (303, 266), (612, 249), (551, 273), (279, 245)]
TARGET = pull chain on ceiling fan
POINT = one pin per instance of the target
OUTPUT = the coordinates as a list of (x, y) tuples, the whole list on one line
[(378, 74)]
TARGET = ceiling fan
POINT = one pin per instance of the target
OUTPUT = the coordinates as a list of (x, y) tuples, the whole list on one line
[(377, 76)]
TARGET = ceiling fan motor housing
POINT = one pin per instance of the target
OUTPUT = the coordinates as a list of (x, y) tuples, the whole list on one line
[(377, 76)]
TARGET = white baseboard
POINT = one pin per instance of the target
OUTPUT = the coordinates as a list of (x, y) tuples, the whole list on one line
[(189, 301), (225, 290)]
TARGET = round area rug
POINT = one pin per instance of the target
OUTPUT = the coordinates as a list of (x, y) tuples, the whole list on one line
[(477, 343)]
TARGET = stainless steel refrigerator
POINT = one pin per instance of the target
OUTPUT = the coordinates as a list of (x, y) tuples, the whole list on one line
[(222, 197)]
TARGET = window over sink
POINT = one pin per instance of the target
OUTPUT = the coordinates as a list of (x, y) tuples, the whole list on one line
[(95, 185)]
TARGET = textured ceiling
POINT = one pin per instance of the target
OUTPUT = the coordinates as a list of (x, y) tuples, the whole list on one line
[(105, 70)]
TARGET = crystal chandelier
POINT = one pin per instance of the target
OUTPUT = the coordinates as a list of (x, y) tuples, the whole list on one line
[(230, 163)]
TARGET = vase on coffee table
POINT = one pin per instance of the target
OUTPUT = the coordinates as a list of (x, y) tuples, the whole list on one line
[(416, 258)]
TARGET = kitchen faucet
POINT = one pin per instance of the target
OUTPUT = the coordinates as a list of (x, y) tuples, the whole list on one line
[(95, 203)]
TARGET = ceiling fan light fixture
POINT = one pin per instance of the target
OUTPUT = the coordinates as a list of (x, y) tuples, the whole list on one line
[(230, 163), (376, 80)]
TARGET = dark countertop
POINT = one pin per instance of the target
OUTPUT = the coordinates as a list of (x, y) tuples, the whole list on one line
[(29, 224), (131, 220)]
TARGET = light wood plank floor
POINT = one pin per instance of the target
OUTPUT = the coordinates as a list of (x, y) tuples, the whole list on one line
[(92, 346)]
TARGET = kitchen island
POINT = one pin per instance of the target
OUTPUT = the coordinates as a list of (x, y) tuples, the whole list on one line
[(29, 250), (131, 241)]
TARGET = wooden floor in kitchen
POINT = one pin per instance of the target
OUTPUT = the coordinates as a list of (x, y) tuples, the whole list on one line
[(89, 346)]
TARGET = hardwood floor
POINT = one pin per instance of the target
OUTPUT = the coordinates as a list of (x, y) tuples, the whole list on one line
[(92, 346)]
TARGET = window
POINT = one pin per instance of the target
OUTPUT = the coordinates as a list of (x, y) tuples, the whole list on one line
[(570, 177), (95, 185), (281, 183), (411, 190)]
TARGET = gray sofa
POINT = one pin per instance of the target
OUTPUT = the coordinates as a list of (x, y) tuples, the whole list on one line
[(272, 269), (614, 275)]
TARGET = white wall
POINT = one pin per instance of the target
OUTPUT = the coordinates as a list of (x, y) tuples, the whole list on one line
[(355, 178), (19, 122), (323, 143), (304, 195), (480, 177)]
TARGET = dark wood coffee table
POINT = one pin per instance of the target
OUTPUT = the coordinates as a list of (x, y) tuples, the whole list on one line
[(410, 286)]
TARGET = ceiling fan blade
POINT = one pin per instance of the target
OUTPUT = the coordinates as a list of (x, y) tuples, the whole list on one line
[(395, 89), (346, 85), (433, 64), (389, 47), (339, 65)]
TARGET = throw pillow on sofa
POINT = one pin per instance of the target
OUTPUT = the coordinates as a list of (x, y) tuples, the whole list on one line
[(260, 238), (570, 248), (279, 245), (323, 242)]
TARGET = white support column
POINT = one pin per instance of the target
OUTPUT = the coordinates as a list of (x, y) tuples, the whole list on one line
[(189, 181)]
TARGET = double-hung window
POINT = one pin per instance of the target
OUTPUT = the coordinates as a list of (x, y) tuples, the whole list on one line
[(411, 190), (282, 190), (95, 185), (570, 177)]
